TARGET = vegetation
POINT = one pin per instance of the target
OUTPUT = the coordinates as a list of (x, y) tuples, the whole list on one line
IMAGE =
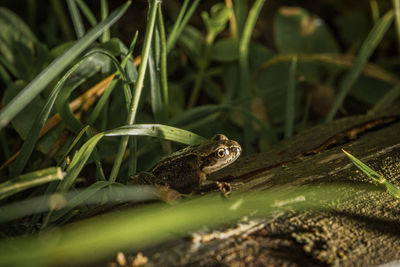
[(81, 110)]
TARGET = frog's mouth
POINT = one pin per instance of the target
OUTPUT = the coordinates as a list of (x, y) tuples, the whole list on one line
[(214, 163)]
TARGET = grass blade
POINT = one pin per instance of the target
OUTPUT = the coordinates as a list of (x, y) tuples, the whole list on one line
[(393, 190), (55, 68), (76, 18), (155, 130), (30, 180), (291, 99), (366, 50), (138, 87), (99, 238)]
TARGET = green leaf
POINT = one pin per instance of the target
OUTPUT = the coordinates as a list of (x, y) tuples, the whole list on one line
[(225, 50), (17, 44), (55, 68)]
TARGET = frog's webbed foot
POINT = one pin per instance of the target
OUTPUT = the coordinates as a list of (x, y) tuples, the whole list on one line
[(224, 188)]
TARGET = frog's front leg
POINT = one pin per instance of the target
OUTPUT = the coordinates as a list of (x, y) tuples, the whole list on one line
[(206, 185)]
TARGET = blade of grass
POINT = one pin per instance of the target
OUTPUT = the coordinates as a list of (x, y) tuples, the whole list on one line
[(88, 13), (393, 190), (366, 50), (30, 180), (396, 7), (138, 87), (155, 90), (55, 68), (76, 18), (58, 9), (374, 10), (104, 13), (99, 194), (133, 230), (180, 23), (244, 47), (163, 60), (154, 130), (291, 99), (33, 135)]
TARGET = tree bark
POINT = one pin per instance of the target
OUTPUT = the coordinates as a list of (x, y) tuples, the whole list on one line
[(362, 230)]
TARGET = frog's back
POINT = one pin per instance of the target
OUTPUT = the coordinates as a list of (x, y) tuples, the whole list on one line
[(178, 171)]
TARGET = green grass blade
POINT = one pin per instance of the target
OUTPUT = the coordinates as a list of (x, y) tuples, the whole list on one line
[(393, 190), (55, 68), (155, 90), (133, 230), (366, 50), (77, 138), (244, 47), (56, 96), (30, 180), (78, 161), (76, 18), (62, 18), (157, 130), (104, 13), (396, 7), (291, 99), (163, 60), (181, 23), (99, 194), (80, 198), (138, 86), (154, 130), (88, 13)]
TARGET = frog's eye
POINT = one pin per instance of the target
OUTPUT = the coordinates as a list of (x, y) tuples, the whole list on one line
[(221, 152)]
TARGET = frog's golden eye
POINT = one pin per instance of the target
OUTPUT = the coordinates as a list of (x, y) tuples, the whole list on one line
[(221, 152)]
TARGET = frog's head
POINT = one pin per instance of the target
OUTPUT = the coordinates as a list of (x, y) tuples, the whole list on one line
[(218, 153)]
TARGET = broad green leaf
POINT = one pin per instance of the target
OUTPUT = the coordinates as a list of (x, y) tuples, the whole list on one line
[(225, 50)]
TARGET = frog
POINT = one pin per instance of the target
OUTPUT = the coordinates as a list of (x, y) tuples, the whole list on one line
[(188, 168)]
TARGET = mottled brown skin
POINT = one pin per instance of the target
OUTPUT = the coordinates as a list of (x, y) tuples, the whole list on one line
[(188, 168)]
